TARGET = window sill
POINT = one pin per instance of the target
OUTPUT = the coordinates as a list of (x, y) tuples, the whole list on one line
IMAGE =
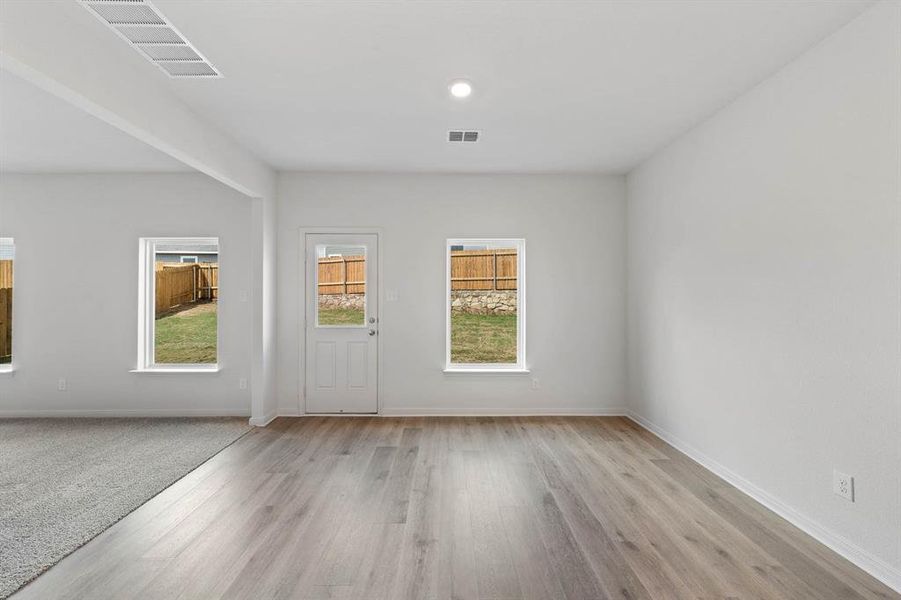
[(7, 372), (171, 370), (489, 371)]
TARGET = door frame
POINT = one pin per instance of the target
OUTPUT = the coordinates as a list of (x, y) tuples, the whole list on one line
[(378, 232)]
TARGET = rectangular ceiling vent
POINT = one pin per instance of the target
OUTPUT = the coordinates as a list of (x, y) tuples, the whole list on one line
[(139, 23), (462, 135)]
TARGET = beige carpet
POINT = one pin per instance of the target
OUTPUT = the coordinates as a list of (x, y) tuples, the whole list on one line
[(63, 481)]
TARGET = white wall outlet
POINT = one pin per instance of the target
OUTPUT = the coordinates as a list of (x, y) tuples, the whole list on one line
[(843, 485), (535, 383), (242, 383), (242, 296), (391, 296), (61, 385)]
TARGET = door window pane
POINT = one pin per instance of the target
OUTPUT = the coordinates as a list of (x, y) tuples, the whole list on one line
[(341, 283)]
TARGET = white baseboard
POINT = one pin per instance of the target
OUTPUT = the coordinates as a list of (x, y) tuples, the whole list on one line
[(455, 411), (264, 420), (875, 566), (140, 412), (290, 412), (485, 412)]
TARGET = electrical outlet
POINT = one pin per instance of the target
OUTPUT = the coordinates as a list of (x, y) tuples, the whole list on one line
[(391, 296), (242, 383), (535, 383), (843, 485), (61, 385)]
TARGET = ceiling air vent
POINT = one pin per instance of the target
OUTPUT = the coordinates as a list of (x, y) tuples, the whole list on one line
[(139, 23), (458, 135)]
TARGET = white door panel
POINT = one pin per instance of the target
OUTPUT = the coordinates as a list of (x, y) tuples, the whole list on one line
[(341, 317)]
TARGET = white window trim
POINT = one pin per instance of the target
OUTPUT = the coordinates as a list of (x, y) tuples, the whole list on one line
[(519, 366), (181, 259), (147, 309), (8, 369)]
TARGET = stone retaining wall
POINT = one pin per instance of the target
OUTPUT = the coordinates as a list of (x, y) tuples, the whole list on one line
[(479, 302), (355, 301), (484, 302)]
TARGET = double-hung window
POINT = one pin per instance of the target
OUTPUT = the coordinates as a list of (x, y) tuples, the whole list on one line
[(179, 325), (486, 305)]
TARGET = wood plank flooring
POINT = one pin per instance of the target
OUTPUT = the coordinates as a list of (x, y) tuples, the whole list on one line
[(453, 508)]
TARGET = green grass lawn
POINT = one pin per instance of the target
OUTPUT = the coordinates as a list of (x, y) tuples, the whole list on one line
[(483, 338), (341, 316), (190, 336), (187, 337)]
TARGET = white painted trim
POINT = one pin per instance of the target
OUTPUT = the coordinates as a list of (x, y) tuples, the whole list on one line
[(875, 566), (380, 264), (147, 306), (287, 411), (487, 370), (464, 412), (188, 369), (456, 411), (264, 420), (150, 412), (520, 364)]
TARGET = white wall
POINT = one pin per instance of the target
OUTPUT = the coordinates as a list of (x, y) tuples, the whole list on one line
[(574, 232), (76, 292), (264, 403), (141, 103), (763, 269)]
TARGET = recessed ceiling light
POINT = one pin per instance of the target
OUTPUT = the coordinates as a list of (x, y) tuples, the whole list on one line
[(460, 88)]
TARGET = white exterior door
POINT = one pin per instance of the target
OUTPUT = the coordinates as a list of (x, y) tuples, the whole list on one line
[(341, 317)]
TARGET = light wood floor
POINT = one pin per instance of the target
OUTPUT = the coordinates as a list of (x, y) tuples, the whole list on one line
[(452, 508)]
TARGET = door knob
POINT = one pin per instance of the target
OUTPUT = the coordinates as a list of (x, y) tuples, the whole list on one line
[(372, 332)]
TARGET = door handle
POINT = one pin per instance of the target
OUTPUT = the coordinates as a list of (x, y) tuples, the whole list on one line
[(372, 332)]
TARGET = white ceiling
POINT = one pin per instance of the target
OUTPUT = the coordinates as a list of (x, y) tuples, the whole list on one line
[(559, 86), (42, 133)]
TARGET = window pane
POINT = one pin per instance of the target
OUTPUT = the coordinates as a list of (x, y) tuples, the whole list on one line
[(7, 255), (186, 297), (341, 282), (483, 303)]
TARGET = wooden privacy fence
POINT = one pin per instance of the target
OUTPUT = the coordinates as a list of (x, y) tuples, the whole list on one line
[(6, 273), (470, 270), (342, 275), (483, 269), (6, 329), (183, 283), (6, 310)]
